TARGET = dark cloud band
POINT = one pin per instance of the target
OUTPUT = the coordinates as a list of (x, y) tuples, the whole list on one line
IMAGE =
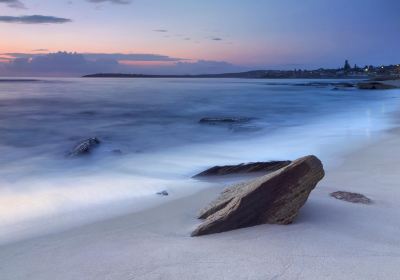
[(13, 4), (74, 64), (111, 1), (34, 19), (107, 56)]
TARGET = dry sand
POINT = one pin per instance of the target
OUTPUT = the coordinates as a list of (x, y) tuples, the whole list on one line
[(331, 239)]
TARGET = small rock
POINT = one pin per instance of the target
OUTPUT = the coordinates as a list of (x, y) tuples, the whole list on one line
[(84, 147), (117, 152), (163, 193), (314, 84), (351, 197), (227, 120)]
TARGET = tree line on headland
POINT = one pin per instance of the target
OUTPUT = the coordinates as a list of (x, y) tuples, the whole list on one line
[(347, 71)]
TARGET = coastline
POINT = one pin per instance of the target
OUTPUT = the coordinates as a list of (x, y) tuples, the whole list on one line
[(330, 237), (68, 193), (189, 140)]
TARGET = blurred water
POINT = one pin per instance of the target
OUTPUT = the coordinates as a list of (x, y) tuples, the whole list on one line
[(155, 123)]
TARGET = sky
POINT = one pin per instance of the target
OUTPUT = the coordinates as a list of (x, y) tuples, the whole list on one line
[(61, 37)]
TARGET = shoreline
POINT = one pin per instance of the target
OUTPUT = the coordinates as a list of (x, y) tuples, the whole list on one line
[(188, 187), (330, 237)]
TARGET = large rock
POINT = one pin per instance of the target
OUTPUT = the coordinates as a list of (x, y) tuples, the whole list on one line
[(244, 168), (274, 198), (84, 147)]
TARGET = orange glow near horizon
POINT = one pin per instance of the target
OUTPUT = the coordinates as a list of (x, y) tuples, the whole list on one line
[(258, 34), (272, 54)]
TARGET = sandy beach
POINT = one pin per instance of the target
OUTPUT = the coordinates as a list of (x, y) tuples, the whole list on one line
[(199, 140), (331, 239)]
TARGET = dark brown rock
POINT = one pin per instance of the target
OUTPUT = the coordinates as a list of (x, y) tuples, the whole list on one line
[(244, 168), (351, 197), (274, 198)]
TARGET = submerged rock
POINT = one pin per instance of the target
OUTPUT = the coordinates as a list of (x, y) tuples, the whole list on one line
[(163, 193), (351, 197), (274, 198), (234, 124), (244, 168), (344, 85), (336, 86), (224, 120), (314, 84), (375, 85), (84, 147), (117, 152), (87, 113)]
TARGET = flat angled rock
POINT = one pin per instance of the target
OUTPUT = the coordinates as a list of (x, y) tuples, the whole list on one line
[(244, 168), (274, 198), (224, 198)]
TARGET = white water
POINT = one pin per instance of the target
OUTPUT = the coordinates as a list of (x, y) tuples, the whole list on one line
[(155, 124)]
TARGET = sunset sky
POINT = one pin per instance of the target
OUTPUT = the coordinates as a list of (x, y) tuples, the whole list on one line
[(191, 36)]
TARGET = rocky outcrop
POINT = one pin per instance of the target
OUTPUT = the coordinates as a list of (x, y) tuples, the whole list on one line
[(274, 198), (351, 197), (326, 84), (235, 124), (244, 168), (226, 120), (338, 86), (344, 85), (375, 85), (314, 84), (84, 147)]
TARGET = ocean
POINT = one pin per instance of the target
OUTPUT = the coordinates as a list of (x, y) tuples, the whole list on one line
[(152, 139)]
